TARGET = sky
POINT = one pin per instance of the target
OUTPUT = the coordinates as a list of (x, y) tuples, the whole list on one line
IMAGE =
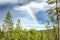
[(32, 13)]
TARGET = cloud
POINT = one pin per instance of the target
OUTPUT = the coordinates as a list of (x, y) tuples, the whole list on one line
[(35, 6), (38, 27), (20, 8), (30, 24), (8, 1), (41, 1), (19, 1), (15, 1), (38, 6)]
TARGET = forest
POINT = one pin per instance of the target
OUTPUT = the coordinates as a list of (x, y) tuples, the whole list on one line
[(9, 32)]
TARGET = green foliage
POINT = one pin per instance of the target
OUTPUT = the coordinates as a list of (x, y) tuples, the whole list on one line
[(8, 21), (8, 26), (50, 1), (18, 25), (52, 13)]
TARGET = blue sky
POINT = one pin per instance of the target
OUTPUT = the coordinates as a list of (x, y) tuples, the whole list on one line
[(18, 10)]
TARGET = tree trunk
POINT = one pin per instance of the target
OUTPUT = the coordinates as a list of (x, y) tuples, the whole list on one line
[(58, 19), (59, 25)]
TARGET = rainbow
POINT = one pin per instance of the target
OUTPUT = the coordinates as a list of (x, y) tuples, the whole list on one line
[(29, 9)]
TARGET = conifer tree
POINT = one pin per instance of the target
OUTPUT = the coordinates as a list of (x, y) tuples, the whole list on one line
[(9, 24), (18, 29), (18, 25), (54, 11), (8, 21)]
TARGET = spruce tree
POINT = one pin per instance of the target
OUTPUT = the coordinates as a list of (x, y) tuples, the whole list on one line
[(18, 29), (18, 25), (8, 21), (9, 24)]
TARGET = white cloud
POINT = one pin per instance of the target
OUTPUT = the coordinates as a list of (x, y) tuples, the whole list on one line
[(34, 26), (35, 6), (20, 8), (29, 24), (38, 6), (19, 1), (8, 1), (42, 1), (13, 1)]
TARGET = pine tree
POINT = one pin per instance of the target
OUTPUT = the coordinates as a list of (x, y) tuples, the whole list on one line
[(8, 21), (18, 29), (56, 13), (18, 25), (9, 24)]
